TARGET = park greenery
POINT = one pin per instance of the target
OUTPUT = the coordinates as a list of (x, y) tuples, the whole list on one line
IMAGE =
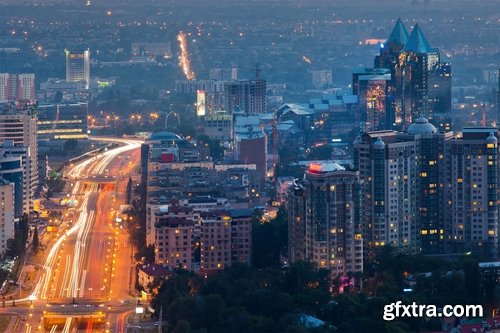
[(16, 246)]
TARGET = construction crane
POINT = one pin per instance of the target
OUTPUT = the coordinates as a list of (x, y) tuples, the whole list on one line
[(275, 137)]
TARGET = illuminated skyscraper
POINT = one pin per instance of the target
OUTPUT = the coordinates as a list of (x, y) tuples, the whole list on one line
[(372, 86), (420, 83), (429, 215), (323, 223), (18, 130), (426, 82), (78, 67), (471, 192), (389, 51), (386, 162)]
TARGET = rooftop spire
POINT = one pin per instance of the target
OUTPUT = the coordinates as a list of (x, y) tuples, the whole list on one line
[(399, 34), (417, 42)]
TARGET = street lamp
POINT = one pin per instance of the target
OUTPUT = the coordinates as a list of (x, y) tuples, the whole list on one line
[(172, 113)]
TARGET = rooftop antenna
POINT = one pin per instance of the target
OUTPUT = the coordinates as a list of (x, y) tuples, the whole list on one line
[(257, 71)]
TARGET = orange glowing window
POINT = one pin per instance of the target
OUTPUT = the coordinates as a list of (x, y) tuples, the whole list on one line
[(314, 167)]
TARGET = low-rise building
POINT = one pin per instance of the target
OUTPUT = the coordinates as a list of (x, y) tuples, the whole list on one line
[(150, 277)]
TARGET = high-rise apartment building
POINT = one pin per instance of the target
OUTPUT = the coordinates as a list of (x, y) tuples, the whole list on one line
[(17, 87), (430, 192), (471, 189), (429, 184), (387, 165), (247, 96), (78, 67), (11, 169), (323, 223), (6, 214), (18, 133)]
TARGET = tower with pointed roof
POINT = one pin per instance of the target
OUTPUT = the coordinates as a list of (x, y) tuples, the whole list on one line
[(389, 51), (420, 84), (425, 88)]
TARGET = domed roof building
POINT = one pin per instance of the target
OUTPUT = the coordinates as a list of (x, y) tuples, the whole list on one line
[(422, 126), (165, 136), (379, 143)]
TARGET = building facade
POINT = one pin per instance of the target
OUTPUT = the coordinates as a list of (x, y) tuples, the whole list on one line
[(322, 79), (323, 224), (11, 170), (387, 166), (420, 84), (60, 122), (78, 67), (225, 238), (373, 90), (6, 214), (429, 175), (17, 87), (247, 96), (18, 133), (471, 192), (174, 242), (426, 82)]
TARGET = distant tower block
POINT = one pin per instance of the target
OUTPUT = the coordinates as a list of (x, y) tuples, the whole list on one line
[(78, 67)]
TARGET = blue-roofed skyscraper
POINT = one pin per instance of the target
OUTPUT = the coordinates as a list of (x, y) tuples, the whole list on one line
[(420, 84), (426, 83), (389, 51)]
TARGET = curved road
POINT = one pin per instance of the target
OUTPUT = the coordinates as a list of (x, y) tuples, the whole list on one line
[(88, 269)]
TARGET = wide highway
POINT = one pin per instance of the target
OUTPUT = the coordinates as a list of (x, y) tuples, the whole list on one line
[(86, 282)]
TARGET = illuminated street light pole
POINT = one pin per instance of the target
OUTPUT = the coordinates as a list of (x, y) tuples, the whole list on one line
[(173, 113)]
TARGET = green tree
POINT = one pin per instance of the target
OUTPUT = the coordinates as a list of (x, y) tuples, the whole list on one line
[(323, 152), (269, 239), (70, 145), (128, 192), (214, 146), (36, 241), (183, 326)]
